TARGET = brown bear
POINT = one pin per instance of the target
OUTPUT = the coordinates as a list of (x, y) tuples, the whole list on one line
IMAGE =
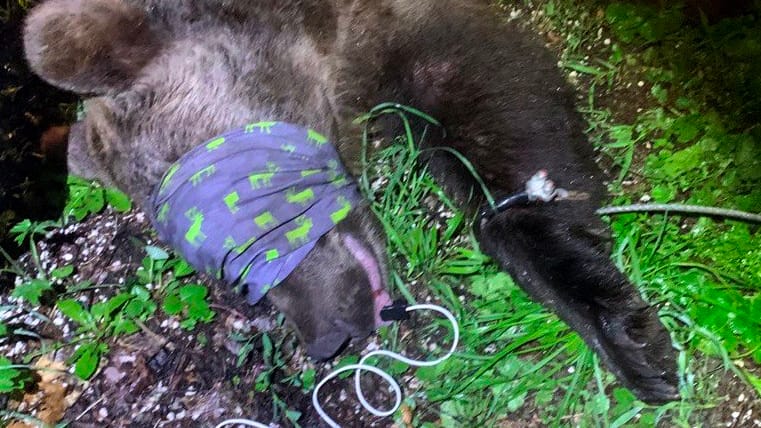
[(160, 78)]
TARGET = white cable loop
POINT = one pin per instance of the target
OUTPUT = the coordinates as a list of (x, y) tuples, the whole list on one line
[(247, 422), (361, 366)]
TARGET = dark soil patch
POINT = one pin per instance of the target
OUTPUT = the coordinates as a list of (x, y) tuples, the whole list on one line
[(166, 375), (31, 185)]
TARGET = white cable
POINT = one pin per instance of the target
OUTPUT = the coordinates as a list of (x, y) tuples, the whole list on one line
[(366, 367), (394, 385), (247, 422)]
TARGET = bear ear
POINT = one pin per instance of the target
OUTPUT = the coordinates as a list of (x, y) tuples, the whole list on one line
[(89, 46)]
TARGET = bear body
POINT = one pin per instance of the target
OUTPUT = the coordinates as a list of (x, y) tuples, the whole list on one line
[(163, 77)]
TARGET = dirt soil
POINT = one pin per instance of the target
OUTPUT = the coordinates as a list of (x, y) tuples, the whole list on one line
[(164, 375), (31, 184)]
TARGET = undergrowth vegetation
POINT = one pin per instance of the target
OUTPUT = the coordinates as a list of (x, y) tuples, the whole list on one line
[(673, 105), (689, 135)]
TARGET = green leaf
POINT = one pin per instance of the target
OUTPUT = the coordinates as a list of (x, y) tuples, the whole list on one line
[(345, 361), (124, 326), (99, 311), (9, 377), (156, 253), (188, 323), (117, 302), (141, 293), (308, 379), (626, 417), (62, 272), (118, 200), (21, 229), (663, 193), (172, 304), (293, 416), (137, 308), (72, 309), (585, 69), (88, 360), (32, 290), (95, 202), (200, 311), (3, 330), (516, 402), (183, 269), (193, 292), (262, 382)]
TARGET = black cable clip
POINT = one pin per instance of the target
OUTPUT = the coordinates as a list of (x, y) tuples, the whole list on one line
[(396, 311)]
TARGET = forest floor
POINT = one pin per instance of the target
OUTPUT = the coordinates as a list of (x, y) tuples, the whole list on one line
[(236, 361)]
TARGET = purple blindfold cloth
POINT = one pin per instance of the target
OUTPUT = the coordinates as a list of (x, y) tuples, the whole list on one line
[(249, 205)]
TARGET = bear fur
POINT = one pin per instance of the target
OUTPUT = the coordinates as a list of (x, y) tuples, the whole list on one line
[(161, 77)]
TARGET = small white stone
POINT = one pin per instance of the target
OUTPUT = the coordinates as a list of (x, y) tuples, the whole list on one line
[(641, 83), (68, 257), (103, 413), (571, 369), (735, 415), (741, 397), (170, 416), (606, 42)]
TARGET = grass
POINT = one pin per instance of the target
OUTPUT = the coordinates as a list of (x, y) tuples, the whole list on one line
[(518, 362)]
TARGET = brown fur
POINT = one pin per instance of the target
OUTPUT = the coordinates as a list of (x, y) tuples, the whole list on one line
[(173, 74)]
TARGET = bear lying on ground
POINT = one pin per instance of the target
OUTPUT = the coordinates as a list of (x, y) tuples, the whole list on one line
[(160, 78)]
